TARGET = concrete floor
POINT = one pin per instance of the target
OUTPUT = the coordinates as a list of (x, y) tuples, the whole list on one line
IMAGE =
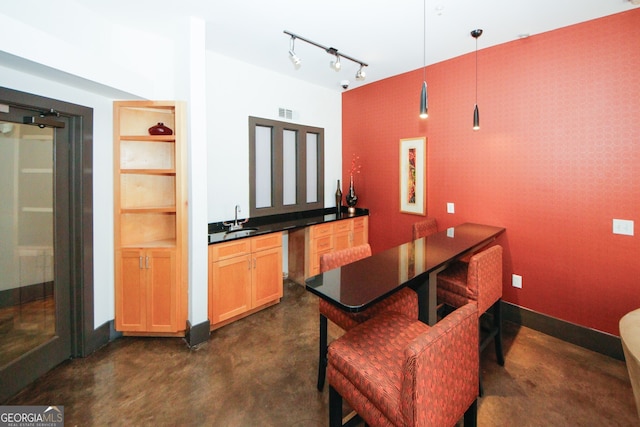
[(261, 371)]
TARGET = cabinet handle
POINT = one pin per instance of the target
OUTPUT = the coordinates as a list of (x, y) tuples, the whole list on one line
[(254, 263), (147, 261), (249, 264), (141, 267)]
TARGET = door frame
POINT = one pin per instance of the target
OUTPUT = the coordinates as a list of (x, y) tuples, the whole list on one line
[(84, 338)]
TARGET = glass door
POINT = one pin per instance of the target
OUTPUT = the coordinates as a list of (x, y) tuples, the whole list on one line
[(27, 315), (34, 230)]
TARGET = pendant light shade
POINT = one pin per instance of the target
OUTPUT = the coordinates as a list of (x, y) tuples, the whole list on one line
[(424, 104), (476, 118), (424, 100)]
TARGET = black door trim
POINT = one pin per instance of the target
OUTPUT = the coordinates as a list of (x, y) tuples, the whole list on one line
[(84, 337)]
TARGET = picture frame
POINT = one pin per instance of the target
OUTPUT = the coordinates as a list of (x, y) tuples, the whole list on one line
[(413, 174)]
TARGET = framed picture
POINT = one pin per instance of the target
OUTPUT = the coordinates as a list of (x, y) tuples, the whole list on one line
[(413, 175)]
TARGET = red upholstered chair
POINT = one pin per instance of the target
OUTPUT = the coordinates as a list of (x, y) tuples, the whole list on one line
[(424, 228), (395, 371), (479, 281), (404, 301)]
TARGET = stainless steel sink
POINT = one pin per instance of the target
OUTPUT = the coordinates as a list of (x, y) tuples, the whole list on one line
[(243, 232)]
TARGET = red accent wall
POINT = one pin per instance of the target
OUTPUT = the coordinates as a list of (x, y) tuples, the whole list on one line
[(556, 159)]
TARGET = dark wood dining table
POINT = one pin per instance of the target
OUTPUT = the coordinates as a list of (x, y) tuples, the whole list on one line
[(358, 285)]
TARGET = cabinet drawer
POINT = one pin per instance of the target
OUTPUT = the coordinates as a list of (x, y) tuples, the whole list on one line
[(322, 244), (321, 230), (342, 226), (360, 222), (267, 241), (221, 251)]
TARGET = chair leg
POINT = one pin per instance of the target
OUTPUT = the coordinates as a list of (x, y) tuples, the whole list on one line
[(480, 348), (471, 415), (497, 323), (322, 358), (335, 408)]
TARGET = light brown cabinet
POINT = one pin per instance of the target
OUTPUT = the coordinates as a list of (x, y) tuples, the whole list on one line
[(360, 233), (307, 245), (245, 276), (148, 283), (150, 219)]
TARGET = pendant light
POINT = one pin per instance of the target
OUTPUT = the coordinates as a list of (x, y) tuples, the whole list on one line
[(424, 100), (476, 114)]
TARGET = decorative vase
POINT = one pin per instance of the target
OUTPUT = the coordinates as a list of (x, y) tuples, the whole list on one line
[(338, 198), (160, 129), (352, 199)]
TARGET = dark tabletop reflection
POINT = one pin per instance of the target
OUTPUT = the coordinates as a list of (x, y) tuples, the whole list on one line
[(360, 284)]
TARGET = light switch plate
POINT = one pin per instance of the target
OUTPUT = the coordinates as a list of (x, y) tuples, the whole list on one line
[(516, 281), (451, 208), (623, 226)]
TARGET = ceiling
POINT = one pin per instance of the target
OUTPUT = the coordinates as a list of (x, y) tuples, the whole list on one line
[(386, 34)]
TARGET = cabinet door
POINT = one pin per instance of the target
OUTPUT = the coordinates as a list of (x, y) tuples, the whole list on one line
[(319, 247), (342, 237), (360, 231), (162, 293), (130, 291), (267, 276), (230, 292)]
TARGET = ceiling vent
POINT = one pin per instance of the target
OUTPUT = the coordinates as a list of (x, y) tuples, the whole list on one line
[(285, 113)]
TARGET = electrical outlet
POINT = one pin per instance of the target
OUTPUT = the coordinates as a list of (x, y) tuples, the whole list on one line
[(623, 226), (516, 281), (451, 208)]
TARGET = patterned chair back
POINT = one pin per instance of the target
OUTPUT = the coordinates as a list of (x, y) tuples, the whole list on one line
[(425, 228), (342, 257)]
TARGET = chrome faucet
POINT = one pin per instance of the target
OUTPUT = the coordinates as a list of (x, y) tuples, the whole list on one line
[(235, 225)]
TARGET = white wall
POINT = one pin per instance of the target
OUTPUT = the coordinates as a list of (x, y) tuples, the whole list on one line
[(237, 90)]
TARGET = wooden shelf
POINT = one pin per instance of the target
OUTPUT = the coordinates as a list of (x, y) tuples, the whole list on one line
[(168, 209), (149, 171), (169, 244), (148, 138)]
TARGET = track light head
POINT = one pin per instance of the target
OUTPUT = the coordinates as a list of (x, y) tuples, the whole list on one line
[(336, 64), (295, 60), (360, 74)]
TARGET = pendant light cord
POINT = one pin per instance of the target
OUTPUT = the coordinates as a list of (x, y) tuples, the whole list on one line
[(476, 70), (424, 40)]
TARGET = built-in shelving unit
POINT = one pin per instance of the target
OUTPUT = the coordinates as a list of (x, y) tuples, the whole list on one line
[(150, 218)]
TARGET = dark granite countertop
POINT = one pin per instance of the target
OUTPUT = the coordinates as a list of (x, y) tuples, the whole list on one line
[(219, 233)]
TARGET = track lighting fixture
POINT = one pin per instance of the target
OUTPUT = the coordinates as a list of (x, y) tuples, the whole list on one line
[(336, 65), (476, 114), (292, 54)]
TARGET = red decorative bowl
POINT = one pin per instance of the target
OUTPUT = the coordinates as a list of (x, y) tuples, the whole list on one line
[(160, 129)]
